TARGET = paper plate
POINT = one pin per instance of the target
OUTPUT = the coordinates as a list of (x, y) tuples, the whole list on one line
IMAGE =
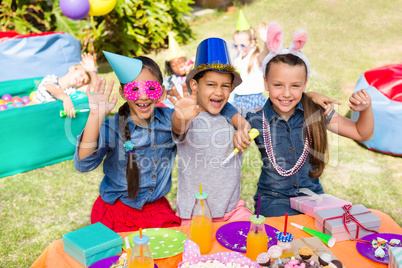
[(107, 262), (163, 242), (233, 235), (367, 250)]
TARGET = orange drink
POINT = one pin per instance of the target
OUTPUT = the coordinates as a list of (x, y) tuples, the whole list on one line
[(257, 242), (142, 263), (201, 233)]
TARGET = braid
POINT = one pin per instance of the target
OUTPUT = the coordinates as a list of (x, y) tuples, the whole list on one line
[(132, 172)]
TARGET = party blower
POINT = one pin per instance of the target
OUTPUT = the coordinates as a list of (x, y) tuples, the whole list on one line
[(253, 133), (64, 114), (327, 239)]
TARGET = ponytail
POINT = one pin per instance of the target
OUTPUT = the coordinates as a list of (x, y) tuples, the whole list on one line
[(132, 172), (314, 119)]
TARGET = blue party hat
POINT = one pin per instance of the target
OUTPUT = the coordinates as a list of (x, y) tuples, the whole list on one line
[(126, 69), (212, 54)]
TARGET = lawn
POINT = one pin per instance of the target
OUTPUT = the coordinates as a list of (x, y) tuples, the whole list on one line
[(345, 39)]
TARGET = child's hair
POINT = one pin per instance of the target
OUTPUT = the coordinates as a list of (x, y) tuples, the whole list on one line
[(132, 173), (252, 37), (313, 117), (168, 68), (200, 75)]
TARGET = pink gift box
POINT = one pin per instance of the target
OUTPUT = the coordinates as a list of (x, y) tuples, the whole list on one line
[(336, 228), (308, 204)]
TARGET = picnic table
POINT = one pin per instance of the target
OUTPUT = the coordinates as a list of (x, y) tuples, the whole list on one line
[(345, 251)]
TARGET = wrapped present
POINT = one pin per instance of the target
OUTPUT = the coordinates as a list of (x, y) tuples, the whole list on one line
[(395, 257), (92, 243), (314, 202), (348, 222)]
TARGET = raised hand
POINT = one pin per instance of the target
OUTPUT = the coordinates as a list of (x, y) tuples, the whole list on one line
[(360, 101), (88, 62), (99, 101), (186, 108), (262, 31)]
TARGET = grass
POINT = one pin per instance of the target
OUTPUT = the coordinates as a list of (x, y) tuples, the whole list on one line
[(345, 39)]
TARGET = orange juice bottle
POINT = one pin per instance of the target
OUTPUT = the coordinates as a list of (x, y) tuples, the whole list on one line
[(285, 242), (201, 223), (141, 257), (257, 239)]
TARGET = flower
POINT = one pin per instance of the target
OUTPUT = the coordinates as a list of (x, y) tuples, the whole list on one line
[(128, 146)]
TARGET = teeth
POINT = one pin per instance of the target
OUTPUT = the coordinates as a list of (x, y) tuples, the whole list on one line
[(143, 105), (285, 101)]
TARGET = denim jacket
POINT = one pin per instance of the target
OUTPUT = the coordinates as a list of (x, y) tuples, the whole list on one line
[(287, 140), (154, 151)]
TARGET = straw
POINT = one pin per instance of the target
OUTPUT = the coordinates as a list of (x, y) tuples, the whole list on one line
[(202, 204), (141, 249), (286, 224), (128, 250), (258, 206)]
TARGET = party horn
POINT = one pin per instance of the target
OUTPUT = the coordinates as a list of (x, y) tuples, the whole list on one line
[(253, 133), (63, 113), (327, 239)]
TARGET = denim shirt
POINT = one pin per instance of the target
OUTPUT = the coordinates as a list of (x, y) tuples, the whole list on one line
[(154, 151), (287, 140)]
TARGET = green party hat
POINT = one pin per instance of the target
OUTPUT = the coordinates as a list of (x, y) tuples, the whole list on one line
[(242, 23)]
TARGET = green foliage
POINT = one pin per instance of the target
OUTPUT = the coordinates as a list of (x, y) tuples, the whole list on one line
[(133, 28)]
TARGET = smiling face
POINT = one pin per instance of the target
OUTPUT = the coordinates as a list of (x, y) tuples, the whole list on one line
[(243, 43), (285, 84), (213, 90), (178, 66), (142, 109)]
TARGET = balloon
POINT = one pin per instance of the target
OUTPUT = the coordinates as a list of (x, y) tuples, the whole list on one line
[(1, 102), (101, 7), (75, 9), (6, 97), (3, 107)]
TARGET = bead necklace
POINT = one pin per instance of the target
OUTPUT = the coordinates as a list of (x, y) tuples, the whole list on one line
[(270, 152)]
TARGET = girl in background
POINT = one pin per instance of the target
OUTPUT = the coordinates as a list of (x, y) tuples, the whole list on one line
[(176, 69), (248, 94)]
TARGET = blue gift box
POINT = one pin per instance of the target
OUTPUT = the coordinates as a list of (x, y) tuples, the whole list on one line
[(92, 243)]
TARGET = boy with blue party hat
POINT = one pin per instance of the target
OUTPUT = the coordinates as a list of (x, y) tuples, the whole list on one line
[(204, 137)]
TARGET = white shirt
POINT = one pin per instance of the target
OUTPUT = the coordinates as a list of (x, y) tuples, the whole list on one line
[(42, 95), (253, 82)]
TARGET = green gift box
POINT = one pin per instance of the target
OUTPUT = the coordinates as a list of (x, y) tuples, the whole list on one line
[(395, 257), (92, 243)]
